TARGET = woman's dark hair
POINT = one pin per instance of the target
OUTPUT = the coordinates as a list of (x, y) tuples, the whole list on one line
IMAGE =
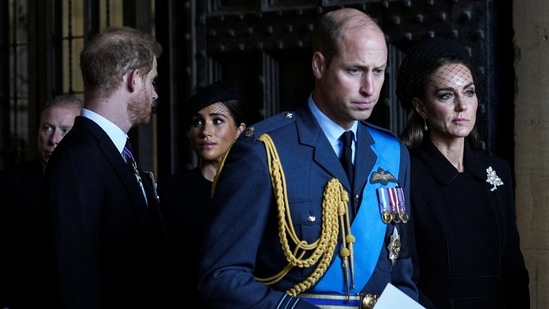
[(236, 110)]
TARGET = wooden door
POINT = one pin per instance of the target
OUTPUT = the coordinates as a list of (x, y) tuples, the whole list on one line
[(263, 47)]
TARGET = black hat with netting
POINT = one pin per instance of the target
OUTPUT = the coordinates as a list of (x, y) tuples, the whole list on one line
[(420, 62), (220, 91)]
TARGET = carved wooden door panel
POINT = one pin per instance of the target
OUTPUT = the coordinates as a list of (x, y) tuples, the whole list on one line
[(263, 47)]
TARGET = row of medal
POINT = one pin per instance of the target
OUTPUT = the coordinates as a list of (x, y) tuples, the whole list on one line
[(392, 205)]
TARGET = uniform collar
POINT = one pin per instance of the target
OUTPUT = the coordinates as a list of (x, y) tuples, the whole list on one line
[(331, 129)]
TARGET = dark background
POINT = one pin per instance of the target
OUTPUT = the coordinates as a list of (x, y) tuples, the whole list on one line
[(263, 47)]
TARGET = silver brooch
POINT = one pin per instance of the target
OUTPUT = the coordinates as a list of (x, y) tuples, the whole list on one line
[(493, 179)]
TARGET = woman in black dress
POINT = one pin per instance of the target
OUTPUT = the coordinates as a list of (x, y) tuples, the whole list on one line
[(185, 198), (468, 245)]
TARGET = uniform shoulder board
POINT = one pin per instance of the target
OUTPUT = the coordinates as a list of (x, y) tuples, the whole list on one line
[(267, 125)]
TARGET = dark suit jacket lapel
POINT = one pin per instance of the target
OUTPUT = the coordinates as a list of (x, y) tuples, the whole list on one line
[(116, 161)]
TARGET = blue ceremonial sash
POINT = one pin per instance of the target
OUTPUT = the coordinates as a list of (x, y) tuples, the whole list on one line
[(368, 227)]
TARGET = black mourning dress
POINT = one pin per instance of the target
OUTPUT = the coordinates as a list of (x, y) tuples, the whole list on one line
[(185, 201)]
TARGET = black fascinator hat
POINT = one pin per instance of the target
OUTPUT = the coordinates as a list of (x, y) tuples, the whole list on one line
[(219, 91)]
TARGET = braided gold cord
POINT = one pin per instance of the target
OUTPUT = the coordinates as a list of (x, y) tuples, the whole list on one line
[(334, 205), (334, 198)]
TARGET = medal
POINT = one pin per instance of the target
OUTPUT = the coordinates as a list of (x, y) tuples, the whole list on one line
[(384, 208), (393, 201), (392, 206), (402, 205), (394, 245), (404, 217), (396, 217), (136, 172), (386, 216), (155, 185)]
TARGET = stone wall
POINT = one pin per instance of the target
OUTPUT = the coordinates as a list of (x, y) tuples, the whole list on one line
[(532, 141)]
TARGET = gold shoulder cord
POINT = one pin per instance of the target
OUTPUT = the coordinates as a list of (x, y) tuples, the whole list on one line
[(334, 207)]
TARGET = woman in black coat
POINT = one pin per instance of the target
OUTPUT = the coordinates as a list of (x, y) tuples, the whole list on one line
[(217, 119), (463, 205)]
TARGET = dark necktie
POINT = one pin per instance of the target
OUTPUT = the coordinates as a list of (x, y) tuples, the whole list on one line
[(133, 167), (346, 158), (131, 160)]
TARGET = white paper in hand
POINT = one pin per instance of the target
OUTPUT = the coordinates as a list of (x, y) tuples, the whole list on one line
[(393, 298)]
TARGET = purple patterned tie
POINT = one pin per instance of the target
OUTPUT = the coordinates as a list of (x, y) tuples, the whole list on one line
[(131, 160)]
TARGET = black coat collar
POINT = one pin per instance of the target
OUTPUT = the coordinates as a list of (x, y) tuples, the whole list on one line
[(442, 170)]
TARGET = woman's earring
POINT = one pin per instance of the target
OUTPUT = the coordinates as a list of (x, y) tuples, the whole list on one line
[(425, 128)]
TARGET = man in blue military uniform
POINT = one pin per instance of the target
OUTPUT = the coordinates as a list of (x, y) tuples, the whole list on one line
[(291, 228)]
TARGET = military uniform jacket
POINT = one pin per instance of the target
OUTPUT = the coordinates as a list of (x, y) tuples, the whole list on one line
[(467, 239), (243, 241), (108, 248)]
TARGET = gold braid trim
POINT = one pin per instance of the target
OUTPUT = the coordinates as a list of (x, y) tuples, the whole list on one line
[(334, 206)]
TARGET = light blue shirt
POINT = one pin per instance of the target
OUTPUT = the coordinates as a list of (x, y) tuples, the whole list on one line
[(331, 129)]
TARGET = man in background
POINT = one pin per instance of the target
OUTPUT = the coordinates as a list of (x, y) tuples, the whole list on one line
[(20, 210)]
